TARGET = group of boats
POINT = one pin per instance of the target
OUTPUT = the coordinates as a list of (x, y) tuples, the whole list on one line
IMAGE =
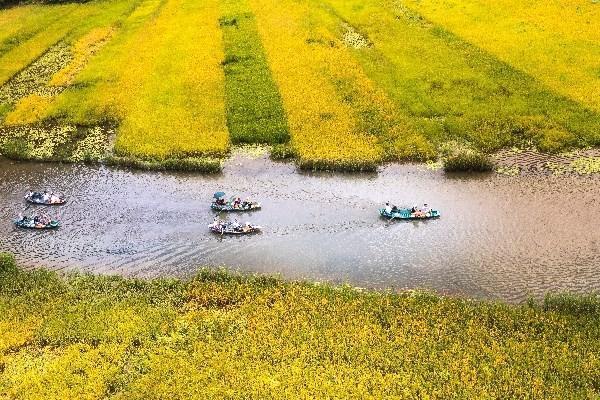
[(40, 220), (219, 203), (223, 227)]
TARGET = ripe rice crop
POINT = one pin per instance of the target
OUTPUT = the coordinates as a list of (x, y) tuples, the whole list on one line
[(168, 99), (227, 336), (307, 63), (448, 88)]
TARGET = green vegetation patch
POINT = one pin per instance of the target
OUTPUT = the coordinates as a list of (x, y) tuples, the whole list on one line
[(228, 336), (461, 158), (196, 164), (448, 89), (254, 108)]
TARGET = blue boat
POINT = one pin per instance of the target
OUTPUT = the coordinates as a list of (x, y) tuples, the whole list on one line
[(232, 206), (407, 214), (31, 223)]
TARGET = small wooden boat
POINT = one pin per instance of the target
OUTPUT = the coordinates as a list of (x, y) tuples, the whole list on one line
[(232, 228), (232, 206), (50, 199), (32, 223), (407, 214)]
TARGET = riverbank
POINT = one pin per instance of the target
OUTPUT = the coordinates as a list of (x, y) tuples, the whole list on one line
[(230, 336)]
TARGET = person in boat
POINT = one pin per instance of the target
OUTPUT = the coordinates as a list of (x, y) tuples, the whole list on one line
[(220, 201), (388, 207), (237, 202), (415, 212), (426, 210)]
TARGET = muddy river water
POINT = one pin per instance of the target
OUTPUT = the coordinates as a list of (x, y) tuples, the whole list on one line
[(499, 237)]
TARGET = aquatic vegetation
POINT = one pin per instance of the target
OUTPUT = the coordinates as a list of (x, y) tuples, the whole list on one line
[(461, 158), (55, 142), (354, 38), (282, 152), (512, 170), (434, 165), (586, 165), (254, 110), (84, 336)]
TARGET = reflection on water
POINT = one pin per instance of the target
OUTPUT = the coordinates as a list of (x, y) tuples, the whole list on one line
[(499, 237)]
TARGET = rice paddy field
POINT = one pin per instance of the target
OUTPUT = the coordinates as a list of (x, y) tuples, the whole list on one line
[(338, 85), (231, 337)]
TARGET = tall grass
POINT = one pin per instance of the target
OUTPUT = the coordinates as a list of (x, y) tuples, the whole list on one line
[(227, 336)]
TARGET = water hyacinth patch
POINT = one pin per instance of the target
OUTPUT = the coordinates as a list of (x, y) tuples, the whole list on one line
[(55, 143)]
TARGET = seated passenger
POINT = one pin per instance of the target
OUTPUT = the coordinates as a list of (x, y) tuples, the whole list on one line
[(388, 208)]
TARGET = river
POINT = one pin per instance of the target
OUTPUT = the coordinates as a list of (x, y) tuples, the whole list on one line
[(499, 237)]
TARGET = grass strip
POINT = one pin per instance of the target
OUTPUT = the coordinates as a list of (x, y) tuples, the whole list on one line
[(254, 108)]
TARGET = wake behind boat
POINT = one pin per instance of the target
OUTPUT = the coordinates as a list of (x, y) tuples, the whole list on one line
[(413, 213), (232, 228), (233, 204), (36, 222), (45, 198)]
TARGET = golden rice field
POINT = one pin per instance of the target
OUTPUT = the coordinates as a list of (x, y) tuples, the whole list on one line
[(343, 85), (223, 336)]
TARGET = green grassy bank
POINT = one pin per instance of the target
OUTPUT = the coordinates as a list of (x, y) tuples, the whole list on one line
[(230, 337)]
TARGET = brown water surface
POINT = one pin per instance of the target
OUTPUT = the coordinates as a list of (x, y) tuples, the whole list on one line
[(499, 237)]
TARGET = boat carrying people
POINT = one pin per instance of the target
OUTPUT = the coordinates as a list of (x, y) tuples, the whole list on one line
[(233, 204), (41, 221), (45, 198), (416, 212), (232, 228)]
